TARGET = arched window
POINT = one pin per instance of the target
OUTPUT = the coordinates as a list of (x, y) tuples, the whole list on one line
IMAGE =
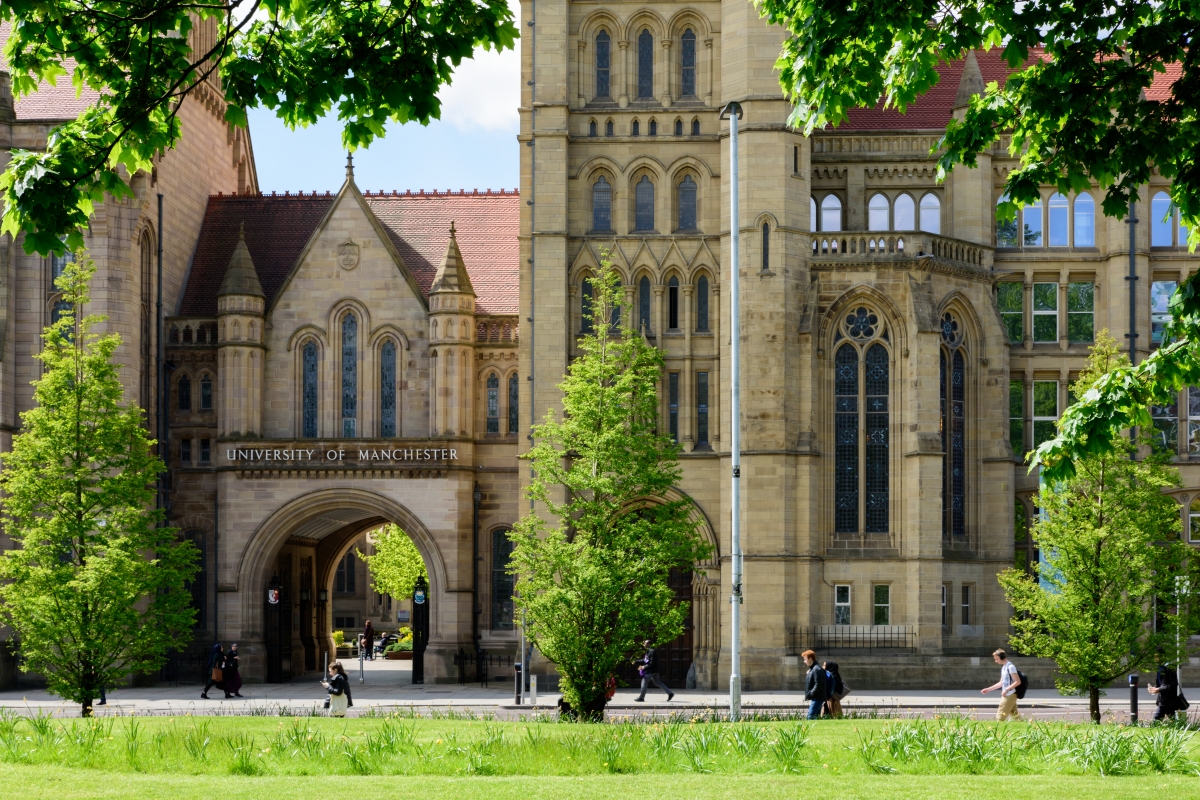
[(602, 60), (953, 414), (1161, 220), (636, 128), (1059, 215), (766, 247), (654, 127), (931, 213), (812, 214), (673, 303), (206, 393), (309, 392), (183, 392), (831, 213), (493, 403), (861, 417), (502, 582), (349, 375), (601, 205), (585, 306), (702, 305), (643, 198), (687, 64), (592, 128), (1007, 230), (645, 64), (1085, 221), (643, 323), (608, 128), (904, 215), (1031, 215), (514, 399), (58, 308), (679, 127), (695, 127), (146, 252), (387, 389), (877, 213), (687, 204)]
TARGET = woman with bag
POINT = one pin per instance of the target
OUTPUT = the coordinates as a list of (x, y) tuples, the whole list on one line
[(338, 687), (216, 677), (837, 690)]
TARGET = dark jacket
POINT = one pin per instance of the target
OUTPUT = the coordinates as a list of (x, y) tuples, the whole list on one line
[(650, 661), (340, 684), (833, 685), (1167, 682), (815, 685)]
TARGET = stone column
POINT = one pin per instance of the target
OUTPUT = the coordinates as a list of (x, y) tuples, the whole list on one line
[(667, 74), (623, 98)]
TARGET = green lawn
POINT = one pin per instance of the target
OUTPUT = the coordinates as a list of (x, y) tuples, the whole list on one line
[(279, 757)]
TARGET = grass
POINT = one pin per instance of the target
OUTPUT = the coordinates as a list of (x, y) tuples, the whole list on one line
[(299, 756)]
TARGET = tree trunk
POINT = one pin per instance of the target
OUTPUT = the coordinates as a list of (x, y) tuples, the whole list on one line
[(85, 708), (1094, 703)]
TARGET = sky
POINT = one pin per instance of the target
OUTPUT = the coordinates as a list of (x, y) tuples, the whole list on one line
[(473, 145)]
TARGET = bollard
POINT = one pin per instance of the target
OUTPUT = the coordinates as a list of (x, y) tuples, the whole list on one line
[(533, 690), (517, 683), (362, 678), (1133, 689)]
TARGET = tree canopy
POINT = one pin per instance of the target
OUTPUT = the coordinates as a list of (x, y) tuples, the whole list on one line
[(368, 61), (396, 563)]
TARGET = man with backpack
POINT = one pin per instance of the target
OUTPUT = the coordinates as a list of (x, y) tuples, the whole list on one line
[(1012, 686), (816, 685)]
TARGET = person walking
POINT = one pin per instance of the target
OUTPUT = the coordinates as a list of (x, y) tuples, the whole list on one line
[(338, 687), (1010, 681), (216, 663), (231, 673), (837, 690), (816, 685), (649, 672), (369, 635), (1166, 691)]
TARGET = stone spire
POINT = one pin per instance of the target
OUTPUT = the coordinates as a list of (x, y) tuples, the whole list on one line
[(349, 165), (971, 82), (240, 276), (452, 274)]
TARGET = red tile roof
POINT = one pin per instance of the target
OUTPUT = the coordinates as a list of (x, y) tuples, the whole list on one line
[(57, 102), (279, 226)]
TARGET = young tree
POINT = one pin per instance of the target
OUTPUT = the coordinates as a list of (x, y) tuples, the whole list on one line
[(1112, 548), (374, 61), (95, 588), (396, 563), (595, 585)]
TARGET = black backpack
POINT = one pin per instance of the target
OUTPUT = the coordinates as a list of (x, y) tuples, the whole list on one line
[(1024, 685)]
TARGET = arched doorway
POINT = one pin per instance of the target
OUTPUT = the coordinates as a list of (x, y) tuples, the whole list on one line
[(287, 573)]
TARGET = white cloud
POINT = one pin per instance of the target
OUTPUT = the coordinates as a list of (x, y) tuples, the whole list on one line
[(486, 90)]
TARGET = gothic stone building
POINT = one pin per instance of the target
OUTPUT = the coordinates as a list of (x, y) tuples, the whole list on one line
[(336, 362)]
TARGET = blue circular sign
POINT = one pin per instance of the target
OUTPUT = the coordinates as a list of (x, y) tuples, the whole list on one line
[(419, 597)]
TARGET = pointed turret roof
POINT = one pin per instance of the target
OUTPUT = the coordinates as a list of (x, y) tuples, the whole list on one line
[(971, 82), (240, 275), (452, 274)]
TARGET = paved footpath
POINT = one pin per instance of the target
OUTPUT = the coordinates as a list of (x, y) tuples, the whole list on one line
[(388, 688)]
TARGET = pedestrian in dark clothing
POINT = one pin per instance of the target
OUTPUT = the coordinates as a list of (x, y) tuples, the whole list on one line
[(1166, 689), (369, 635), (836, 689), (216, 663), (338, 687), (816, 685), (231, 674), (649, 673)]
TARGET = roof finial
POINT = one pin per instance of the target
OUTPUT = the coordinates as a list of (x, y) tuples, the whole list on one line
[(242, 231), (451, 227), (349, 164)]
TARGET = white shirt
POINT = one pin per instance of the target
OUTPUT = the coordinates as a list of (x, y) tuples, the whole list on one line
[(1008, 676)]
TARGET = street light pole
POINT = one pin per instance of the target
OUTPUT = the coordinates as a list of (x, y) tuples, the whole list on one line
[(734, 111), (1183, 587)]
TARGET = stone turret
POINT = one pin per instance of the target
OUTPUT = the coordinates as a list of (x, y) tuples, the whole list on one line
[(240, 306), (451, 341), (971, 189)]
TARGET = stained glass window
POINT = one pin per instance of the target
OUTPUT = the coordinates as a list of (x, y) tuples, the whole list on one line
[(846, 439), (645, 64), (349, 375), (687, 204), (644, 304), (876, 438), (585, 306), (602, 51), (502, 582), (766, 247), (687, 64), (953, 402), (493, 403), (514, 399), (701, 409), (387, 389), (206, 386), (602, 205), (310, 391), (644, 204), (673, 405), (183, 393), (673, 303), (702, 305)]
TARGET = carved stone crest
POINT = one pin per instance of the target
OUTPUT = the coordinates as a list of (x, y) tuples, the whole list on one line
[(348, 254)]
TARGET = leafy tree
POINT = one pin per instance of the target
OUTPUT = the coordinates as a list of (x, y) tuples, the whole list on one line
[(1074, 103), (595, 585), (95, 588), (370, 60), (1111, 545), (396, 563)]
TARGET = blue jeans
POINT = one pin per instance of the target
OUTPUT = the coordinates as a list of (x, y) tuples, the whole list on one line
[(814, 708)]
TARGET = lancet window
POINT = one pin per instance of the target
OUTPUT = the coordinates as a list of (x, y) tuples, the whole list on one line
[(953, 417), (387, 389), (861, 424), (349, 375)]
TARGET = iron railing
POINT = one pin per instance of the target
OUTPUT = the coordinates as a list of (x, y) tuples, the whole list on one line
[(859, 638), (466, 662)]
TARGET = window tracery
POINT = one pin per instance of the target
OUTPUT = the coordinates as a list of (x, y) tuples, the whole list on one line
[(309, 391), (952, 366), (861, 424), (349, 375), (387, 384)]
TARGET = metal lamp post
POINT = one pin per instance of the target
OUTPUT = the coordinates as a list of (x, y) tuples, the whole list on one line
[(733, 111), (1183, 587)]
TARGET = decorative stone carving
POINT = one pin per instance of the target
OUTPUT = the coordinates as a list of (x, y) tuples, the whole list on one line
[(348, 253)]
